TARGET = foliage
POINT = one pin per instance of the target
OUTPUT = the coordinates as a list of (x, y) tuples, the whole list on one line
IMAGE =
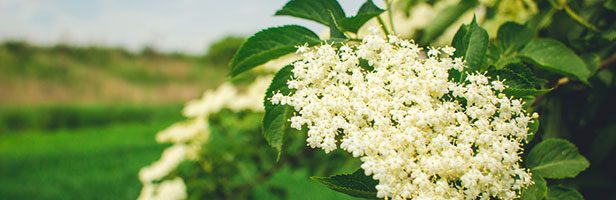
[(556, 158), (270, 44), (275, 120), (558, 57), (356, 184)]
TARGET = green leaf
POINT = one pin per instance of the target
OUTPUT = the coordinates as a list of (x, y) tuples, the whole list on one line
[(557, 159), (356, 184), (276, 118), (366, 12), (334, 28), (524, 92), (444, 19), (521, 80), (516, 75), (554, 56), (559, 192), (537, 191), (471, 42), (512, 37), (269, 44), (321, 11)]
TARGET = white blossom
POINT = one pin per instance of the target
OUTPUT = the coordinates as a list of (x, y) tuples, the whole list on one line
[(170, 159), (183, 131), (173, 189), (420, 134)]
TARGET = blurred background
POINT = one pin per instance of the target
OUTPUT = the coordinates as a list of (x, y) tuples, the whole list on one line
[(86, 84)]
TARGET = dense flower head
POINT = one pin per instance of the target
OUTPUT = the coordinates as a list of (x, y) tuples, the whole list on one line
[(419, 133)]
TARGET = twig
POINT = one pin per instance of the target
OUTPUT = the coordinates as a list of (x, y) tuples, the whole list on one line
[(383, 26), (560, 82), (579, 19), (607, 62)]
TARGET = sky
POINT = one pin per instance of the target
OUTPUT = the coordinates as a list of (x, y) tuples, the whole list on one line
[(187, 26)]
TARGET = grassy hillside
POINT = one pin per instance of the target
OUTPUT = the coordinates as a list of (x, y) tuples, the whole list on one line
[(69, 74)]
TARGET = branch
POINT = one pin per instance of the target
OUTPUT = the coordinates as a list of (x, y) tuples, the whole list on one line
[(610, 61), (560, 82)]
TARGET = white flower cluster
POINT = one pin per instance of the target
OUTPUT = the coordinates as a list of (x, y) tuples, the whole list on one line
[(420, 134), (189, 136)]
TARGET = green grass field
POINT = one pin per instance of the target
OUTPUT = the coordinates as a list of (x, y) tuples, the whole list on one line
[(96, 162)]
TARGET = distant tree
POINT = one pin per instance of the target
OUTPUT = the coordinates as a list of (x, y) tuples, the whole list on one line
[(149, 51), (221, 52)]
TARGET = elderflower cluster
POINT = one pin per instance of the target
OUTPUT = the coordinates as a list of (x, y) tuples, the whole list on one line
[(420, 134), (188, 137)]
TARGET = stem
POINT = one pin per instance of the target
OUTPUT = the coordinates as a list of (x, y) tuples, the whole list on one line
[(607, 62), (545, 18), (560, 82), (383, 26), (577, 18), (390, 15)]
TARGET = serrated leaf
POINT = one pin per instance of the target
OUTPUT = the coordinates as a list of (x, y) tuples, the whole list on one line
[(559, 192), (444, 19), (524, 92), (555, 56), (556, 158), (366, 12), (276, 118), (269, 44), (471, 42), (356, 184), (321, 11), (537, 191), (512, 37), (516, 75), (278, 84), (334, 28)]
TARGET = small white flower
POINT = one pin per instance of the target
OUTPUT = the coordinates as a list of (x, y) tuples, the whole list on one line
[(433, 52), (448, 50)]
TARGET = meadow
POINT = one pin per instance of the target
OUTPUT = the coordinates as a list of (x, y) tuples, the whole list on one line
[(79, 122)]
